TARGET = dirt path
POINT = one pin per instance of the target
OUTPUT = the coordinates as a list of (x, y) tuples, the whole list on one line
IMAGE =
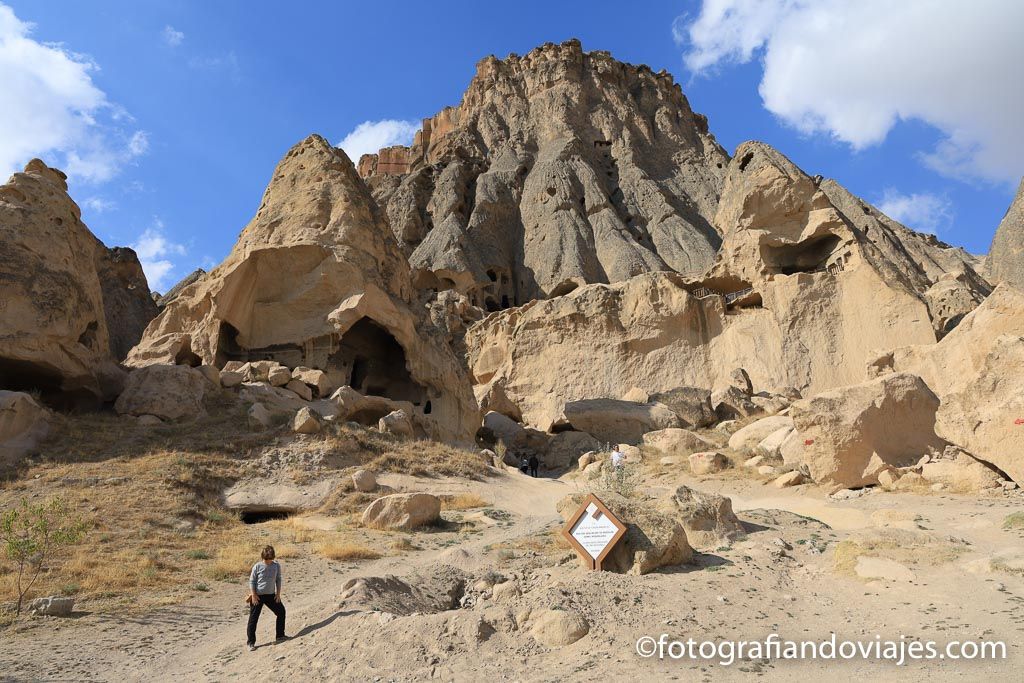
[(743, 591)]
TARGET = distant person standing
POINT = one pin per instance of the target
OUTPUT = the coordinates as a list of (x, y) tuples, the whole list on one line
[(265, 589), (618, 458), (524, 465), (534, 464)]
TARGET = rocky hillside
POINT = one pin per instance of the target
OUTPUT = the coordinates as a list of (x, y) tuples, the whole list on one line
[(70, 308), (1006, 259), (558, 168)]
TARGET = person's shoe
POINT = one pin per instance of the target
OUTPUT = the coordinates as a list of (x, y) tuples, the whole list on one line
[(281, 639), (252, 647)]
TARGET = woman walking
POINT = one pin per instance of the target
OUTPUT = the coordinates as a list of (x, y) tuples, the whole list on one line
[(265, 589)]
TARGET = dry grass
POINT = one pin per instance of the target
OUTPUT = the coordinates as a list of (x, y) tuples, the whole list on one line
[(1014, 521), (346, 550), (906, 548), (402, 544), (462, 501)]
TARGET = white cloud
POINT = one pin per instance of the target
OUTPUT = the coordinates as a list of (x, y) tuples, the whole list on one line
[(155, 252), (99, 204), (50, 107), (854, 69), (925, 212), (370, 136), (172, 36)]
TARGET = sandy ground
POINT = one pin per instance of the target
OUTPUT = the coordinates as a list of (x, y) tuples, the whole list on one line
[(966, 583)]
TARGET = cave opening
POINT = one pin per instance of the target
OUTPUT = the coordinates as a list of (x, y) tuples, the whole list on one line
[(261, 516), (806, 257), (375, 363), (46, 384)]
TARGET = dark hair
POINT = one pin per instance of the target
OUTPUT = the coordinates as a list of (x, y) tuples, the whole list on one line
[(268, 553)]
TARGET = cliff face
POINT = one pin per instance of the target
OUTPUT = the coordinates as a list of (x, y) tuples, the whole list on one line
[(69, 307), (316, 279), (1006, 258), (558, 168)]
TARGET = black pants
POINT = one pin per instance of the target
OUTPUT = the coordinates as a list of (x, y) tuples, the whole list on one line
[(533, 470), (254, 617)]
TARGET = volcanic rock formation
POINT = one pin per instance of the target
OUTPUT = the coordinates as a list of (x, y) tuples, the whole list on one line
[(1006, 258), (69, 307), (558, 168), (317, 280), (809, 282)]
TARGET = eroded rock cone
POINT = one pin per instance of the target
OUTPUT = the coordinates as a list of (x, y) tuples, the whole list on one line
[(558, 168), (71, 307), (317, 281), (1006, 257)]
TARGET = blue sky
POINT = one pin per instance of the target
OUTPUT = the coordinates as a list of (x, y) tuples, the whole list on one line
[(170, 116)]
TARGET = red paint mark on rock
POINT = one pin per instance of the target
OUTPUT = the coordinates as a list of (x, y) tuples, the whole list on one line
[(808, 442), (1019, 421)]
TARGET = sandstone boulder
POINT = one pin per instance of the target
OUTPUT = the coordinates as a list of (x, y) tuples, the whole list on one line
[(398, 423), (505, 428), (306, 422), (747, 438), (732, 403), (171, 392), (690, 404), (52, 606), (674, 441), (402, 511), (211, 373), (300, 389), (653, 537), (558, 627), (853, 433), (259, 417), (960, 472), (23, 424), (707, 462), (316, 380), (614, 421), (230, 378), (771, 445), (364, 481), (279, 376), (976, 371), (788, 479), (707, 517)]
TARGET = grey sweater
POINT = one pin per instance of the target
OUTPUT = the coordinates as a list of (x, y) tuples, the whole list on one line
[(265, 578)]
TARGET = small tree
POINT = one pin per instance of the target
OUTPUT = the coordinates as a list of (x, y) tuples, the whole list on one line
[(32, 533), (623, 480), (499, 452)]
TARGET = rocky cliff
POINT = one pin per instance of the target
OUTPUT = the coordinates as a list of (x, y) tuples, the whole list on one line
[(1006, 257), (558, 168), (69, 307), (317, 280)]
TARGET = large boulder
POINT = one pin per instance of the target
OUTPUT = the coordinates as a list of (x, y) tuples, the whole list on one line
[(558, 627), (691, 405), (170, 392), (402, 511), (977, 371), (707, 517), (675, 441), (615, 421), (23, 424), (510, 432), (306, 422), (853, 433), (653, 538), (960, 472), (748, 437), (398, 423)]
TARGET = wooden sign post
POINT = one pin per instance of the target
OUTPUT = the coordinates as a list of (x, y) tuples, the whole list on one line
[(593, 531)]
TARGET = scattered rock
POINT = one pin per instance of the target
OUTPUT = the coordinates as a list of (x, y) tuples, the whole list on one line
[(171, 392), (557, 627), (789, 479), (306, 422), (52, 606), (398, 423), (674, 441), (613, 421), (364, 480), (23, 424), (402, 511), (707, 517), (747, 438), (300, 389), (708, 462)]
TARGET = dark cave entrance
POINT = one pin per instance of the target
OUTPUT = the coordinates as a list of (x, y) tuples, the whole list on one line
[(806, 257), (375, 364), (47, 384), (260, 516)]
